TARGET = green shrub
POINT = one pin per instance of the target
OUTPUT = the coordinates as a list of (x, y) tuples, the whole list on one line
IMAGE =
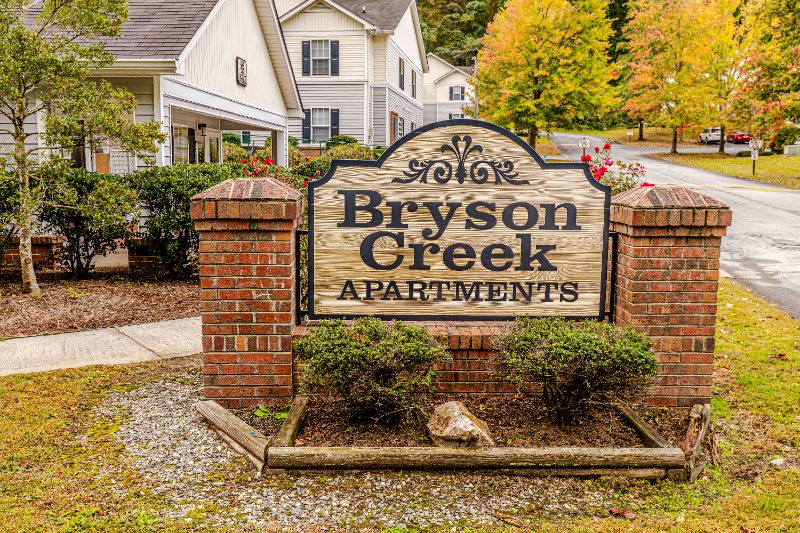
[(9, 194), (232, 153), (350, 151), (378, 368), (232, 138), (293, 142), (312, 168), (377, 152), (96, 217), (338, 140), (782, 137), (570, 366), (165, 193)]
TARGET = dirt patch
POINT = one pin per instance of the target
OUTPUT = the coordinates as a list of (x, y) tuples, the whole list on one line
[(512, 422), (110, 297), (269, 426)]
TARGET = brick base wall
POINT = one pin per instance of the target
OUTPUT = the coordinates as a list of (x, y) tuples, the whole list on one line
[(140, 258), (43, 247)]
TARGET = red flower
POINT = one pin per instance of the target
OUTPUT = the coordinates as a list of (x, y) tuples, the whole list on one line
[(305, 183), (596, 148), (645, 184), (243, 161), (586, 158), (606, 146), (308, 159)]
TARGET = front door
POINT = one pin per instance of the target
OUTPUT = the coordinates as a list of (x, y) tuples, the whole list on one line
[(394, 127)]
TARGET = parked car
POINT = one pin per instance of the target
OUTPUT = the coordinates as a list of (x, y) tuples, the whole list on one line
[(710, 135), (738, 137)]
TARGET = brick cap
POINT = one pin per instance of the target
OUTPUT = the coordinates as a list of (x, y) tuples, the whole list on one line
[(250, 189), (659, 197)]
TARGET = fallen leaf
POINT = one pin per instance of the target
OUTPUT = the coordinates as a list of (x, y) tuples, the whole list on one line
[(512, 520), (746, 530), (630, 515), (728, 370)]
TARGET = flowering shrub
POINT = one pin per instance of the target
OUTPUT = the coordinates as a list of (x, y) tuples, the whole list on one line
[(231, 153), (616, 174), (350, 151)]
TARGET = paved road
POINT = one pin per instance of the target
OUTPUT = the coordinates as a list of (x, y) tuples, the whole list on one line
[(762, 247)]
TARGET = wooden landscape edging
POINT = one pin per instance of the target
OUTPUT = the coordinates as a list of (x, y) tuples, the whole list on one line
[(237, 433)]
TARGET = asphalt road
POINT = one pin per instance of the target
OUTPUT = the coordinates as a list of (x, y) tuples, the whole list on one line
[(762, 247)]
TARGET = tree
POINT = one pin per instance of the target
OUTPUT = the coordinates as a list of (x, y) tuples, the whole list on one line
[(453, 28), (545, 64), (47, 52), (668, 49), (770, 89)]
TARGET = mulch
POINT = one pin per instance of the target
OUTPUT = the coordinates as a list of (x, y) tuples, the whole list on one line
[(110, 297), (512, 421)]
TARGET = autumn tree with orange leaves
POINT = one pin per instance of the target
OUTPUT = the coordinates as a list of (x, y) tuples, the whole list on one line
[(545, 64)]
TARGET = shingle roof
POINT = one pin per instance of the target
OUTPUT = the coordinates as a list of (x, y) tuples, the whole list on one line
[(159, 29), (385, 14), (467, 70)]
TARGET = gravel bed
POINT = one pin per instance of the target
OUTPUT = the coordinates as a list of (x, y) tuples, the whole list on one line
[(165, 449)]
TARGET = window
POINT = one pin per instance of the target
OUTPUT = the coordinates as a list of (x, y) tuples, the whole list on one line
[(180, 145), (402, 127), (402, 74), (320, 58), (413, 126), (213, 149), (320, 124), (456, 93), (456, 115), (413, 86)]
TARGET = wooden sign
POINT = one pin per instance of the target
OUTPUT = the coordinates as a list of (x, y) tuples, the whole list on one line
[(241, 72), (458, 220), (584, 143)]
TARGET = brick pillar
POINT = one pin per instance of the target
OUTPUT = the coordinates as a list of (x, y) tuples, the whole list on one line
[(667, 275), (247, 275)]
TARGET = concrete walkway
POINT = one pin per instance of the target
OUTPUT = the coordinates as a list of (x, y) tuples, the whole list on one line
[(108, 346)]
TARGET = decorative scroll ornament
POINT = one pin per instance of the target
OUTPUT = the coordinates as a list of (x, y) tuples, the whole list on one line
[(443, 170)]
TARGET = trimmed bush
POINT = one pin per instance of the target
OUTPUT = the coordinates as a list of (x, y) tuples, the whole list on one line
[(232, 153), (166, 193), (379, 368), (96, 218), (574, 365), (350, 151), (9, 199), (338, 140), (232, 138), (312, 168), (782, 137)]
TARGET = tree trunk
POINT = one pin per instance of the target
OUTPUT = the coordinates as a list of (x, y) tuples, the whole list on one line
[(29, 284), (722, 139), (532, 134), (674, 149), (641, 130)]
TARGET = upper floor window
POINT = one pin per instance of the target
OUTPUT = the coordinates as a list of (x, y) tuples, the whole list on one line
[(457, 93), (402, 69), (320, 124), (413, 84), (320, 57)]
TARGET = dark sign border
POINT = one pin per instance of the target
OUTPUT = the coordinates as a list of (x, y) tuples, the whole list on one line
[(336, 163)]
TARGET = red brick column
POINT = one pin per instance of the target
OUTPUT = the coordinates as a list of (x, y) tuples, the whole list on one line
[(667, 275), (247, 275)]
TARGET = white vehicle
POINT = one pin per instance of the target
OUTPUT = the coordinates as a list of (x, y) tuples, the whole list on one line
[(710, 135)]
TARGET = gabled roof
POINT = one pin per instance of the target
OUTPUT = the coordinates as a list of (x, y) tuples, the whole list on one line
[(464, 70), (385, 14)]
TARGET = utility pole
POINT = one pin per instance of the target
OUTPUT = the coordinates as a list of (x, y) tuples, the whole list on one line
[(475, 75)]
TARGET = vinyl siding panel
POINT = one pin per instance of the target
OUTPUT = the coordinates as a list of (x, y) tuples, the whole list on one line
[(347, 98), (445, 108), (405, 36), (235, 32), (437, 68), (393, 58), (444, 90), (7, 142), (404, 108), (429, 113), (379, 59), (380, 116), (333, 20), (284, 6), (430, 92), (351, 56)]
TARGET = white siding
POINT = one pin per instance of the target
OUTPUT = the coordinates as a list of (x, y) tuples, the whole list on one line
[(454, 80), (347, 98), (446, 108), (284, 6), (6, 141), (405, 36), (235, 32), (331, 20), (380, 116), (379, 59), (430, 114), (167, 114), (405, 109), (430, 92), (437, 67), (351, 56)]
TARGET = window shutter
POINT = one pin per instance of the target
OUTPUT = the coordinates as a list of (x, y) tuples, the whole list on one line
[(402, 75), (306, 59), (192, 159), (462, 93), (334, 122), (334, 58), (413, 84), (451, 97), (306, 124), (451, 115)]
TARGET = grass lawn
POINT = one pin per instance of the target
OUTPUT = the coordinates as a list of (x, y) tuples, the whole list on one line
[(545, 146), (652, 136), (49, 481), (780, 169)]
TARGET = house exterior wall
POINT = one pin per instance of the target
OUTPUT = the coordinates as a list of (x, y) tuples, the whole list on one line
[(380, 116), (405, 108), (379, 59), (211, 64), (352, 65), (331, 19), (284, 6), (348, 98), (405, 37)]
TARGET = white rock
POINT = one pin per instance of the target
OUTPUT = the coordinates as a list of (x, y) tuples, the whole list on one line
[(453, 426), (777, 463)]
